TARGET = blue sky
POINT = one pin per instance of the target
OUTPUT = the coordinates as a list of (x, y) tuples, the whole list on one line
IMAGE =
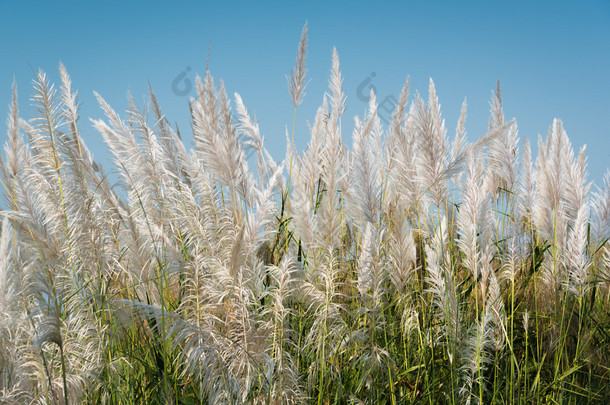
[(552, 59)]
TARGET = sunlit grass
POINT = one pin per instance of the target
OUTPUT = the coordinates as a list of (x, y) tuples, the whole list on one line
[(409, 269)]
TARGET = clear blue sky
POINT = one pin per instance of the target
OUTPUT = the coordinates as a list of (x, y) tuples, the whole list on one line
[(552, 58)]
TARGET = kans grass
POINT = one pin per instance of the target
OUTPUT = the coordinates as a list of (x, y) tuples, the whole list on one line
[(412, 268)]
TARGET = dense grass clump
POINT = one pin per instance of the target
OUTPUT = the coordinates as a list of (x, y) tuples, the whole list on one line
[(410, 269)]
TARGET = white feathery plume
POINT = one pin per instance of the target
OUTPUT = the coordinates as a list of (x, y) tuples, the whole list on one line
[(406, 184), (460, 139), (494, 305), (296, 82), (601, 230), (402, 255), (177, 162), (143, 174), (503, 156), (83, 169), (311, 160), (8, 291), (122, 144), (366, 276), (69, 100), (155, 161), (234, 155), (577, 260), (601, 210), (337, 97), (14, 148), (250, 132), (366, 180), (486, 336), (527, 195), (332, 169), (503, 150), (551, 179), (603, 272), (399, 118), (399, 115), (260, 218), (388, 149), (308, 187), (497, 113), (442, 286), (14, 330), (217, 142), (322, 297), (284, 385), (433, 148), (513, 257), (474, 218), (577, 187), (562, 193), (476, 359)]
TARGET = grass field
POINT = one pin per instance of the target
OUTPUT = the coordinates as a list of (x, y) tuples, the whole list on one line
[(413, 268)]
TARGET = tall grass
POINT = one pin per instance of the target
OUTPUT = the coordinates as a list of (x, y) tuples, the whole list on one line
[(410, 269)]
